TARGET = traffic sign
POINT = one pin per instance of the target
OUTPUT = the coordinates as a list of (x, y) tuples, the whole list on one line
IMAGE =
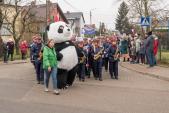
[(145, 21)]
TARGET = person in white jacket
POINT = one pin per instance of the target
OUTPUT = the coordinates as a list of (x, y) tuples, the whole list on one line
[(138, 46)]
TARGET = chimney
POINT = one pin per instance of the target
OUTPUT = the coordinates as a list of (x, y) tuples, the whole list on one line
[(49, 2), (33, 3), (1, 1), (68, 12)]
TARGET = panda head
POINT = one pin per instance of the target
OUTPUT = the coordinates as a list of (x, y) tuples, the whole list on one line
[(59, 32)]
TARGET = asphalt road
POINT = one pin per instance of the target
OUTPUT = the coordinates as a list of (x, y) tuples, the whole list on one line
[(132, 93)]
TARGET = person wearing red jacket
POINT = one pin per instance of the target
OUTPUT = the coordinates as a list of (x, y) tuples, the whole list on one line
[(23, 49), (156, 43)]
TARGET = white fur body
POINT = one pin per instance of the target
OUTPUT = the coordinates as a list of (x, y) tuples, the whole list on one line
[(69, 60)]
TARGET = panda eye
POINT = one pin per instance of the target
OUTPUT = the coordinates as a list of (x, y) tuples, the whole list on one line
[(61, 27)]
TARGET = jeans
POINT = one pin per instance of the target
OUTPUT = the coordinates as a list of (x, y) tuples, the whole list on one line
[(81, 71), (10, 54), (53, 73), (39, 71), (5, 57), (137, 57), (151, 58), (142, 58)]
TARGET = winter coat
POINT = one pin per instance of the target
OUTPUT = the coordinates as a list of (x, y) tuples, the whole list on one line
[(142, 47), (124, 46), (49, 57), (111, 53), (10, 46), (138, 44), (155, 46), (23, 47), (150, 44)]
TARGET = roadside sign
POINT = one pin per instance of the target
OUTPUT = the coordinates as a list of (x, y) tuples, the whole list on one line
[(145, 21)]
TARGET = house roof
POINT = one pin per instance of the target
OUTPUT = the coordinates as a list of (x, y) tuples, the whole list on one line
[(74, 15), (40, 11)]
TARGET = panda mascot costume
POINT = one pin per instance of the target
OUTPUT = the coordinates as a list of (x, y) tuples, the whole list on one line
[(67, 53)]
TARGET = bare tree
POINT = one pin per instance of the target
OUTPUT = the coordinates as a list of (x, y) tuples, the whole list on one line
[(145, 8), (18, 20)]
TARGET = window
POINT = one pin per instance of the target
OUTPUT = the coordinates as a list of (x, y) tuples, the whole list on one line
[(4, 31), (1, 1)]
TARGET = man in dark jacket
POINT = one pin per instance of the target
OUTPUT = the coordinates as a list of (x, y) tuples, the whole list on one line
[(35, 52), (10, 45), (150, 49), (5, 52)]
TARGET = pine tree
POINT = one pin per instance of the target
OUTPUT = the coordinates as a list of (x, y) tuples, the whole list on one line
[(122, 21)]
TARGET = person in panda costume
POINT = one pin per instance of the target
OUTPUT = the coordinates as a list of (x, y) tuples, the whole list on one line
[(67, 53)]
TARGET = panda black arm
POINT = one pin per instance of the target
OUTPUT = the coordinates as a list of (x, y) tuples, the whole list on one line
[(59, 56)]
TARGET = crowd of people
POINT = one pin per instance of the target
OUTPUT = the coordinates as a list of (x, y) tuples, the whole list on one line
[(139, 49), (9, 47), (96, 54)]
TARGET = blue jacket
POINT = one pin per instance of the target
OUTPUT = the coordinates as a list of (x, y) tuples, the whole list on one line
[(149, 44), (94, 52), (111, 53), (35, 50), (106, 47)]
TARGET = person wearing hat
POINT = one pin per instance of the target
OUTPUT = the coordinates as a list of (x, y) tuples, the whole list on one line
[(36, 49), (82, 60), (97, 59), (5, 51), (150, 49), (50, 65), (106, 45), (10, 45), (88, 48), (113, 55)]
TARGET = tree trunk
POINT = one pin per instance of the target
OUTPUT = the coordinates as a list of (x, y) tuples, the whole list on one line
[(146, 13), (17, 47), (1, 48)]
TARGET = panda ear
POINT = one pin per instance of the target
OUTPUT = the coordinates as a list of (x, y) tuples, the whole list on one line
[(48, 27)]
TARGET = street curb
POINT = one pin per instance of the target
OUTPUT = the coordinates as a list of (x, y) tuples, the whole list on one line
[(148, 74), (10, 63)]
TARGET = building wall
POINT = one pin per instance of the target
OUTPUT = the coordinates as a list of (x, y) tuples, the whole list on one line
[(10, 13)]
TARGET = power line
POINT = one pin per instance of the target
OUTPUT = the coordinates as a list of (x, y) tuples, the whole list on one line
[(71, 5)]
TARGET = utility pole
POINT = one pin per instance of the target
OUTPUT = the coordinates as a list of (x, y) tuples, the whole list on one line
[(146, 12), (90, 17), (100, 29), (46, 36)]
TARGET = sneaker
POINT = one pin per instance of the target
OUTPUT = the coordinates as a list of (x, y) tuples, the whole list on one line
[(56, 92), (46, 90), (67, 86), (38, 82), (100, 79)]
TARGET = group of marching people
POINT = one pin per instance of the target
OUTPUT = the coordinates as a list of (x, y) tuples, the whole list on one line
[(96, 53)]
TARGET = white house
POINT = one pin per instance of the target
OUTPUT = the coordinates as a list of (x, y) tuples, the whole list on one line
[(76, 21)]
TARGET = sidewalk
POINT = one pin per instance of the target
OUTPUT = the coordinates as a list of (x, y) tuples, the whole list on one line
[(14, 62), (157, 71)]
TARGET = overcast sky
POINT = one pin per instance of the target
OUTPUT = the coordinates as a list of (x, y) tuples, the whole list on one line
[(102, 10)]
